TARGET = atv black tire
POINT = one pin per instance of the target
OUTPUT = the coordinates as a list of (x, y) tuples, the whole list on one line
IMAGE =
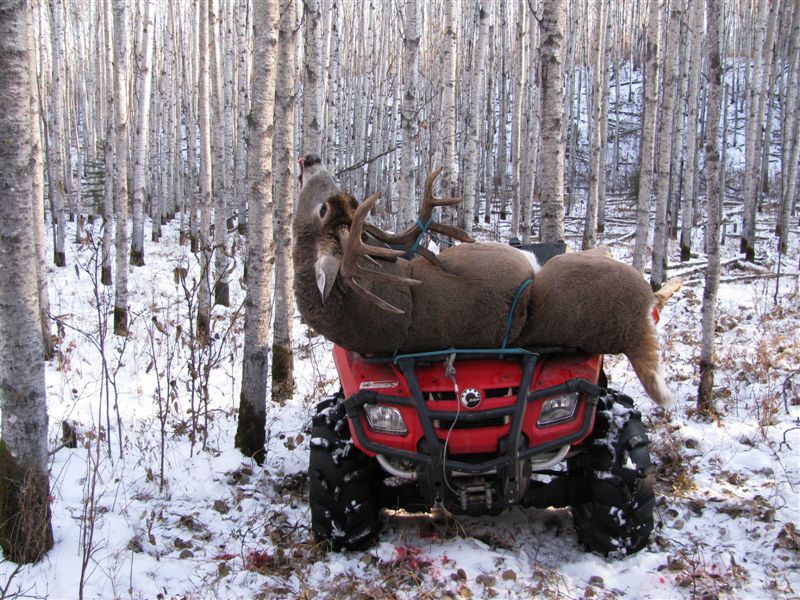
[(617, 517), (343, 483)]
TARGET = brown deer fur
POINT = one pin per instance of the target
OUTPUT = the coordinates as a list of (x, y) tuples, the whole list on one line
[(584, 300)]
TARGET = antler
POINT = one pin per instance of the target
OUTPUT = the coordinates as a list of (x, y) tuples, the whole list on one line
[(354, 248), (424, 222)]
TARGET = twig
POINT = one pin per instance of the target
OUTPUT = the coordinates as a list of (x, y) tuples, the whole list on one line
[(784, 442), (366, 161), (14, 573)]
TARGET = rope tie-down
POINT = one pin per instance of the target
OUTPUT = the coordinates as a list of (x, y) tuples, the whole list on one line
[(510, 321), (503, 350)]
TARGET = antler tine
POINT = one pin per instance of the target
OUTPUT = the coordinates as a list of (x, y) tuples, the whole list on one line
[(354, 248), (429, 202)]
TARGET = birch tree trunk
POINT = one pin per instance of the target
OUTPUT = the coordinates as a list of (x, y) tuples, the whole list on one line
[(332, 130), (763, 130), (552, 148), (449, 58), (791, 139), (110, 147), (408, 116), (474, 117), (649, 118), (243, 106), (221, 189), (531, 139), (517, 117), (705, 398), (37, 194), (250, 433), (192, 94), (26, 533), (121, 168), (144, 74), (312, 78), (604, 99), (284, 169), (595, 166), (696, 37), (746, 246), (204, 202), (665, 139), (55, 158), (501, 164)]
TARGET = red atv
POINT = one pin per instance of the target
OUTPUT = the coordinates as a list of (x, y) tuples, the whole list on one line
[(474, 432)]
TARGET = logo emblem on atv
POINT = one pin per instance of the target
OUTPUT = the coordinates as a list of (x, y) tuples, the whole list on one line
[(470, 398)]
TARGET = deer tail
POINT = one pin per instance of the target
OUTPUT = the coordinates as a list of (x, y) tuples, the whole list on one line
[(666, 291), (643, 357)]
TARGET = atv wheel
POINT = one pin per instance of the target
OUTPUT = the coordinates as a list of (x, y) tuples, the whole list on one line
[(616, 519), (343, 483)]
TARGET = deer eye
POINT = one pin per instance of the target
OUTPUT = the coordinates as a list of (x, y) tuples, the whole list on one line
[(323, 210)]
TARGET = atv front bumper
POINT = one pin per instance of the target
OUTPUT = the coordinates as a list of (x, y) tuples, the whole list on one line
[(507, 466)]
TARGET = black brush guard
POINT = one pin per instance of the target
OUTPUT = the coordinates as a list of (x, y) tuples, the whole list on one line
[(510, 477)]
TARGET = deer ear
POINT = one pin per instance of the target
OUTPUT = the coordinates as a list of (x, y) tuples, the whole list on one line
[(326, 269)]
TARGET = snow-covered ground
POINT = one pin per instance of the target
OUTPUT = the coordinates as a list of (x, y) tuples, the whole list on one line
[(223, 527)]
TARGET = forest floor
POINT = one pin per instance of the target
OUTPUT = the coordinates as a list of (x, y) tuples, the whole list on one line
[(155, 502)]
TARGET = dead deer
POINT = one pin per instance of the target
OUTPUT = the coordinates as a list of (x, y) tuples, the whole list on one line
[(364, 296)]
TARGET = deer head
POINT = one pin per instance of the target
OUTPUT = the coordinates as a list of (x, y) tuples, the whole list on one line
[(338, 223)]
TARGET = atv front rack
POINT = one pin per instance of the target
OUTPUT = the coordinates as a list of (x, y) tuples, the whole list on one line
[(513, 452)]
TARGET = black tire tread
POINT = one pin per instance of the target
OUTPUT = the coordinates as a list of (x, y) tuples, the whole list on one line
[(621, 491), (343, 481)]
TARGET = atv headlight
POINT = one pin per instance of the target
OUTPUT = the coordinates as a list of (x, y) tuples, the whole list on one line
[(558, 409), (385, 419)]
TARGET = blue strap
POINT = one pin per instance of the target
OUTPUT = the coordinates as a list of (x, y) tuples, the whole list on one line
[(448, 351), (424, 228), (500, 351), (521, 289)]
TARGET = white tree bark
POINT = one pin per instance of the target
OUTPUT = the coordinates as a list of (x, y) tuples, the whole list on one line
[(204, 201), (707, 362), (474, 117), (313, 79), (753, 128), (220, 171), (517, 118), (791, 138), (24, 495), (501, 164), (406, 190), (285, 186), (110, 147), (121, 168), (531, 137), (242, 107), (332, 97), (551, 27), (144, 77), (37, 194), (250, 434), (696, 40), (604, 100), (665, 135), (55, 158), (449, 81), (649, 119), (598, 85)]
